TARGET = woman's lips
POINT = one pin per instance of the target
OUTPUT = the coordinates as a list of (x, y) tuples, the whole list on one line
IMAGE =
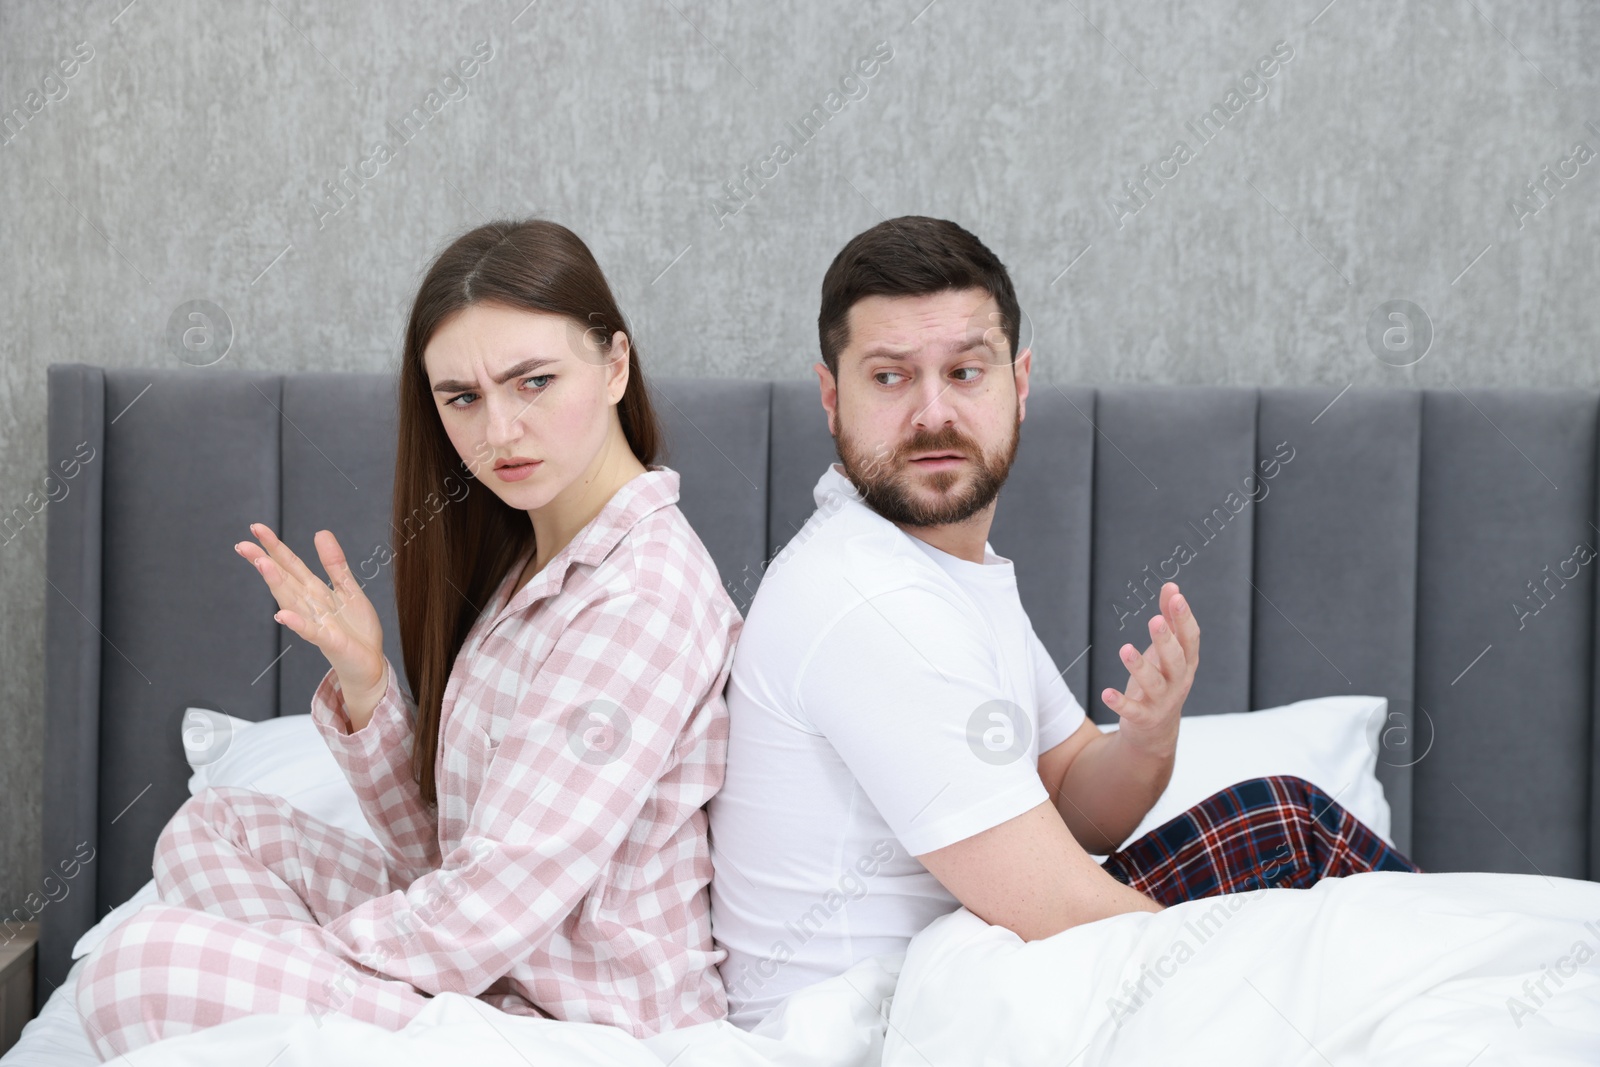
[(518, 472)]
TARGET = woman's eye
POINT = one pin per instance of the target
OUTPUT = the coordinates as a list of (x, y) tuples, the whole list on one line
[(542, 380)]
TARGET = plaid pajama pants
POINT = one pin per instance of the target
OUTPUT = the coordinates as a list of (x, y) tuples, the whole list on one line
[(246, 881), (1278, 831)]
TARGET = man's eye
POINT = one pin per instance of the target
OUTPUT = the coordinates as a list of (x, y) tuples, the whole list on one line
[(975, 370), (893, 373)]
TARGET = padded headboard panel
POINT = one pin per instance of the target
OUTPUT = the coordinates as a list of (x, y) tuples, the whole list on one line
[(1417, 544)]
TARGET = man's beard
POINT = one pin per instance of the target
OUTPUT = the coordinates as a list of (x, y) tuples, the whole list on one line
[(883, 483)]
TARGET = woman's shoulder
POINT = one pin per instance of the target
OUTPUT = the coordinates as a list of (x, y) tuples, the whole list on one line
[(663, 559)]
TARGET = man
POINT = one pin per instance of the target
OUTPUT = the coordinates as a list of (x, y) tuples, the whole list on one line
[(901, 743)]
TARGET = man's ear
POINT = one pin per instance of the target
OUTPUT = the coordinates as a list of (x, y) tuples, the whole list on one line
[(829, 389), (1021, 368)]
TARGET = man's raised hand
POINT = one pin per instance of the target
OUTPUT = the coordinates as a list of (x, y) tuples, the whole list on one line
[(1159, 679)]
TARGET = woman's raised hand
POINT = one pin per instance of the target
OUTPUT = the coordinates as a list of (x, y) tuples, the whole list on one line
[(338, 619)]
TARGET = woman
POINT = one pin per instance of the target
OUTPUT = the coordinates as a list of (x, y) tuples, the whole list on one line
[(567, 639)]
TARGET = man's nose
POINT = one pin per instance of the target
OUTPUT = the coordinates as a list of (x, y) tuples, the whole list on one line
[(933, 405)]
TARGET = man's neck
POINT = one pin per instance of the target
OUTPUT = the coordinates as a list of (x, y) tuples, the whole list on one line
[(964, 540)]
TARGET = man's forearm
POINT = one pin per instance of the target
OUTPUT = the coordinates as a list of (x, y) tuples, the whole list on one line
[(1109, 787)]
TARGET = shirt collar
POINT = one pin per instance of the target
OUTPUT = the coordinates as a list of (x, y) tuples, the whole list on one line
[(640, 495), (835, 486), (835, 481)]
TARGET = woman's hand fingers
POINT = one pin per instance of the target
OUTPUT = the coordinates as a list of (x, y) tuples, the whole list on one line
[(338, 568), (319, 630), (337, 618), (285, 592), (283, 555), (297, 624), (296, 589)]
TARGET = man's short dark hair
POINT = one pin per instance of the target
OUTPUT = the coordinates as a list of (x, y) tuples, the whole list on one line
[(912, 255)]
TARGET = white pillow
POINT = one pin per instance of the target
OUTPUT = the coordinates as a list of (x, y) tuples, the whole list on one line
[(1331, 742), (286, 757), (207, 736), (283, 757)]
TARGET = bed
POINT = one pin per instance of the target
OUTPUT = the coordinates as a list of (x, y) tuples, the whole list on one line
[(1421, 550)]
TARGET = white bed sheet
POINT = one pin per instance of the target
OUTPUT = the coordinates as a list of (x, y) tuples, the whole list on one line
[(54, 1037), (837, 1023), (1382, 969), (1373, 969), (1420, 969)]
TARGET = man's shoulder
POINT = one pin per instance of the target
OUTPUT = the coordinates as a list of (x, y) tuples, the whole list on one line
[(866, 580), (833, 562)]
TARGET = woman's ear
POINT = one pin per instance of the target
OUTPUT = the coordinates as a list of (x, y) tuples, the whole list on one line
[(617, 368)]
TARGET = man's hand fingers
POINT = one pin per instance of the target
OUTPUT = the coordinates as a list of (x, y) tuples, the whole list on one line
[(1144, 670), (1120, 700), (1165, 649), (1124, 701), (1180, 620), (1187, 631), (1164, 598)]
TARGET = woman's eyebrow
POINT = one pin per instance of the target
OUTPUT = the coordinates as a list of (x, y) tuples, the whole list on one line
[(500, 379)]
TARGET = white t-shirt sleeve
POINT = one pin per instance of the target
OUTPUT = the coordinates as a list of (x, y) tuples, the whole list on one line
[(905, 688), (1060, 714)]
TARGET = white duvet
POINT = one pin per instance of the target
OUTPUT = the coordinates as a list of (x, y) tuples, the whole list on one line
[(1370, 969)]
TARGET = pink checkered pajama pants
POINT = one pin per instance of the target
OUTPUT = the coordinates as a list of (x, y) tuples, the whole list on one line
[(246, 881)]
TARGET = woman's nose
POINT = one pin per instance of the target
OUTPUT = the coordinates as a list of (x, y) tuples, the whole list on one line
[(506, 417)]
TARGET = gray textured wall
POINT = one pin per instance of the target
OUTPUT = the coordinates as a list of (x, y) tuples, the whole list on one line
[(192, 154)]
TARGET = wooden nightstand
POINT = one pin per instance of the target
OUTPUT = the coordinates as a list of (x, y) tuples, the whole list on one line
[(16, 983)]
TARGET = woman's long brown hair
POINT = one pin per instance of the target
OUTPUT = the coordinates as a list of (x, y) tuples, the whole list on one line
[(457, 551)]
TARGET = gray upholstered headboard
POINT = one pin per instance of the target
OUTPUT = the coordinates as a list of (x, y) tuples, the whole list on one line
[(1421, 545)]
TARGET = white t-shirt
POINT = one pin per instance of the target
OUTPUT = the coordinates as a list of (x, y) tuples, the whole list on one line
[(887, 699)]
